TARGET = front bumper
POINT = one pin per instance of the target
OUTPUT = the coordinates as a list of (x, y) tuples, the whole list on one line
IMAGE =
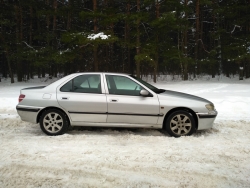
[(28, 113), (206, 120)]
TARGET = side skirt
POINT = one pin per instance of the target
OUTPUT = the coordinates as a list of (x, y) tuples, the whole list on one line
[(90, 124)]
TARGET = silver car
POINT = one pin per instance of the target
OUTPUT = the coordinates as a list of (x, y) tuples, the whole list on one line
[(113, 100)]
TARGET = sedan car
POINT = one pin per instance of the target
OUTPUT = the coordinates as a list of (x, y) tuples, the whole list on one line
[(113, 100)]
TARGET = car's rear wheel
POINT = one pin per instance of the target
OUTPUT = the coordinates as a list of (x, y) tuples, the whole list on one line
[(53, 122), (180, 123)]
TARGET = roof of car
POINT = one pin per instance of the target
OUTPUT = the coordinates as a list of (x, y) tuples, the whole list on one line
[(101, 73)]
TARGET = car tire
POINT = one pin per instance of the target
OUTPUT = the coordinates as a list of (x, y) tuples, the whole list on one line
[(53, 122), (180, 123)]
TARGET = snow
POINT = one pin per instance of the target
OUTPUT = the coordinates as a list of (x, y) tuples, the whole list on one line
[(98, 35), (62, 52), (115, 157)]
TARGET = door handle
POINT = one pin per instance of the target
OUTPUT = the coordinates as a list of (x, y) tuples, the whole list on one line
[(113, 100), (65, 98)]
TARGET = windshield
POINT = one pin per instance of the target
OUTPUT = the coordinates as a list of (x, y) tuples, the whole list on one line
[(153, 88)]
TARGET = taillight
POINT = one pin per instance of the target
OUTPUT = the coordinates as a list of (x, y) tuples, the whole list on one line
[(21, 97)]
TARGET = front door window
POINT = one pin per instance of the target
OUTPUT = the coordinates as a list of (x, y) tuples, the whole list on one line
[(120, 85)]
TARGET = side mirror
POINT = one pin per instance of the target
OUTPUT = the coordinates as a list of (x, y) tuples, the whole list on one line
[(144, 93)]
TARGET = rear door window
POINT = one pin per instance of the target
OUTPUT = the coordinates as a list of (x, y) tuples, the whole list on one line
[(83, 84)]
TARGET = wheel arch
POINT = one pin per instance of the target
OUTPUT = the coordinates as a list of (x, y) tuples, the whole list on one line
[(49, 108), (181, 108)]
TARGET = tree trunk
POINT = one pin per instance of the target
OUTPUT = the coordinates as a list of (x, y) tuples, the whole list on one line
[(185, 61), (185, 45), (30, 64), (48, 18), (43, 72), (54, 43), (219, 49), (18, 41), (247, 69), (127, 40), (9, 66), (179, 46), (21, 63), (69, 16), (95, 48), (138, 41), (48, 38), (157, 40), (39, 73), (1, 55), (4, 63), (197, 35), (54, 17)]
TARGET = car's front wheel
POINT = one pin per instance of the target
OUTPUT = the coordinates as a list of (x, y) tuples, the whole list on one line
[(180, 123), (53, 122)]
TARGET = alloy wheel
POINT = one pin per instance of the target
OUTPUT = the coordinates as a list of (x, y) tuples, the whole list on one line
[(180, 124), (53, 122)]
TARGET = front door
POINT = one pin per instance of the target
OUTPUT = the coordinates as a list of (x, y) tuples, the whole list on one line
[(83, 99), (126, 105)]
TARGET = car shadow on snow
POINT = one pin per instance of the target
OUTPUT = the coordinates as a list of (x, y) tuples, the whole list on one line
[(118, 131), (114, 131)]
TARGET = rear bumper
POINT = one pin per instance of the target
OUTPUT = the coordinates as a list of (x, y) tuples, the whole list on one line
[(28, 113), (206, 120)]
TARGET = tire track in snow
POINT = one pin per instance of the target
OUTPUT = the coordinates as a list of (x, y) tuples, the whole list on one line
[(43, 176)]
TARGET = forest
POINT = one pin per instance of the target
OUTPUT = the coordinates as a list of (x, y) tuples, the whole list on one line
[(141, 37)]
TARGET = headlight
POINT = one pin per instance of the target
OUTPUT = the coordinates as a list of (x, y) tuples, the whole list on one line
[(210, 107)]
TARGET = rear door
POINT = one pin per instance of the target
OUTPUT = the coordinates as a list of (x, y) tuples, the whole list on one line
[(83, 97), (126, 105)]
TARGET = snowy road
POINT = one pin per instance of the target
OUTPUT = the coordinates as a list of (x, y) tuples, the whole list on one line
[(105, 157)]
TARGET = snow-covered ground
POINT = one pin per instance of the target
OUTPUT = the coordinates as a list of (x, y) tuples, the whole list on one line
[(109, 157)]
